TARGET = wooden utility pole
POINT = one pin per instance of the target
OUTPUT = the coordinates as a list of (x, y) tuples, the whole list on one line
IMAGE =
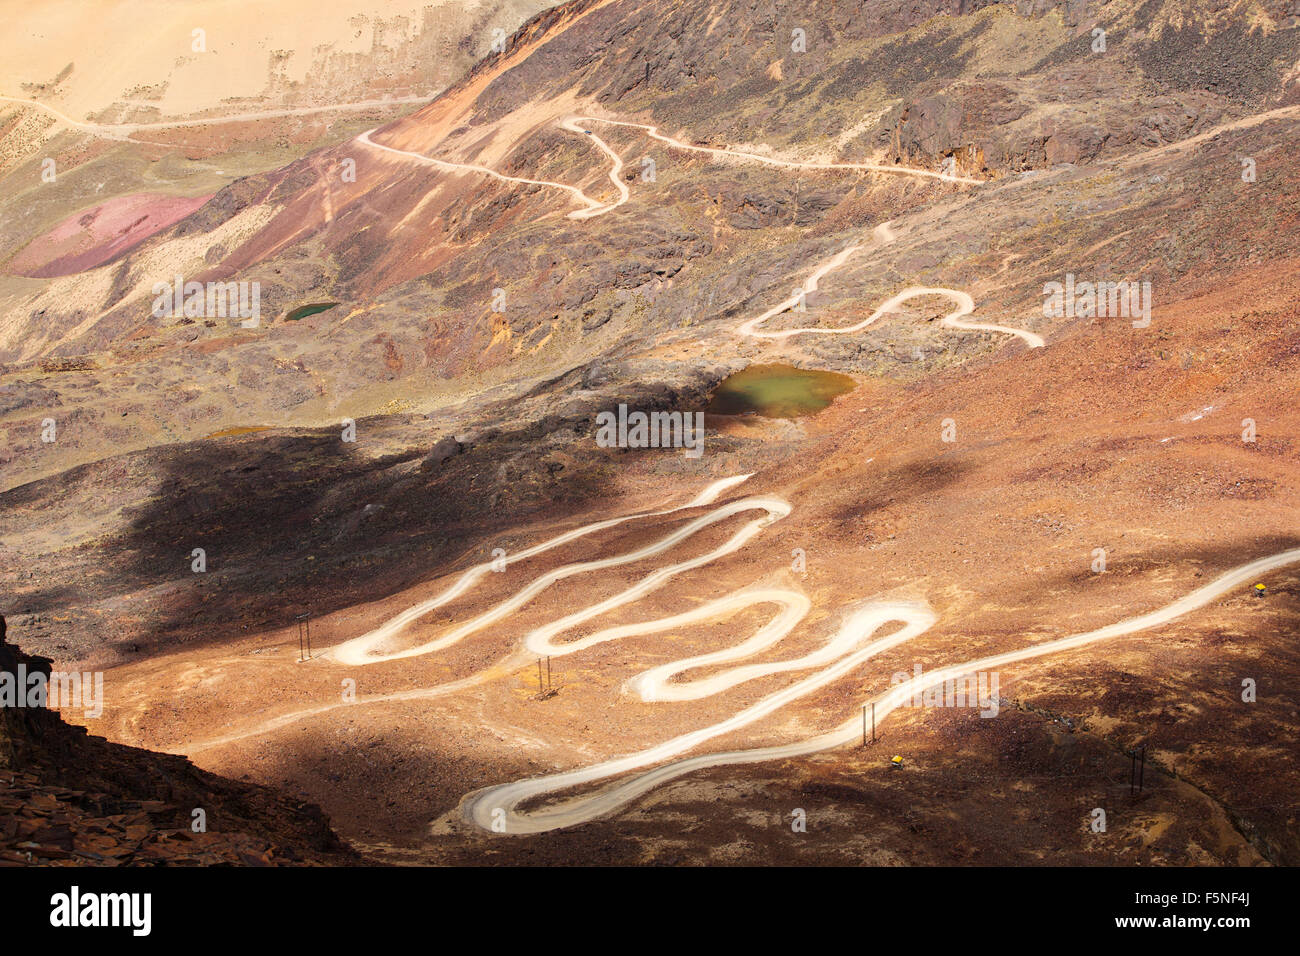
[(1137, 769), (304, 636), (864, 723)]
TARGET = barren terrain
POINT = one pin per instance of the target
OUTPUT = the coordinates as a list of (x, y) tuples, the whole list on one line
[(529, 647)]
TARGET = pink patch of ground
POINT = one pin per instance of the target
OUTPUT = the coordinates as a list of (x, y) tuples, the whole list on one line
[(90, 238)]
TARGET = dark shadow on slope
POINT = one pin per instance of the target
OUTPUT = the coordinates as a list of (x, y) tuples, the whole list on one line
[(303, 521), (918, 479), (288, 522)]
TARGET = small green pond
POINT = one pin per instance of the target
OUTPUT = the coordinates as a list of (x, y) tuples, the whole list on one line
[(305, 310), (777, 391)]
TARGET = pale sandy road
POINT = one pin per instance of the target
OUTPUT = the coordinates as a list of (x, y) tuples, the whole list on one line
[(123, 130), (1246, 122), (496, 808), (593, 206), (882, 235), (965, 304), (615, 169), (367, 649), (653, 133), (654, 684)]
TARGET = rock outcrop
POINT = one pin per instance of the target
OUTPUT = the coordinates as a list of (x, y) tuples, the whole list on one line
[(70, 798)]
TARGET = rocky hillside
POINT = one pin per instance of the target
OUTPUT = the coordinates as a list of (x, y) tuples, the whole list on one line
[(464, 287), (413, 253), (67, 797), (174, 432)]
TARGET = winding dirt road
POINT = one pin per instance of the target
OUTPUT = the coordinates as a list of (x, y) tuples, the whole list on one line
[(615, 170), (123, 131), (368, 648), (881, 235), (594, 207), (373, 647), (853, 643), (497, 808), (722, 152)]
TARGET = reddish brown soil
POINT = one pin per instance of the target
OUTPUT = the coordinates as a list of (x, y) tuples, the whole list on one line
[(1060, 451), (1111, 437), (100, 234)]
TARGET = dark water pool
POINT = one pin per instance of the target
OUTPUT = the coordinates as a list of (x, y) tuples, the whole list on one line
[(778, 391), (305, 310)]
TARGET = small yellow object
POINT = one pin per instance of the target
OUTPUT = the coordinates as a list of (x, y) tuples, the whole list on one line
[(897, 761), (1260, 588)]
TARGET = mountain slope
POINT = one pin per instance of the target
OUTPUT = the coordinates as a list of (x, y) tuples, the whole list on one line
[(505, 267)]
